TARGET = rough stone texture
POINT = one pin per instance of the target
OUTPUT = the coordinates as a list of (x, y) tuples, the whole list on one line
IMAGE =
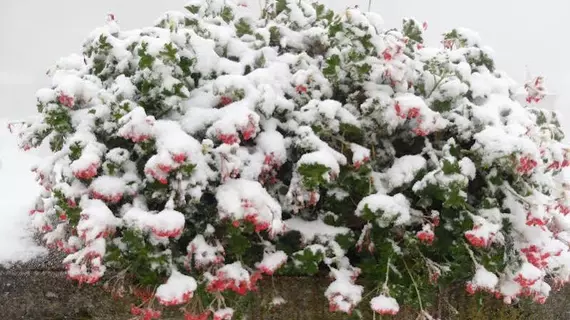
[(39, 291)]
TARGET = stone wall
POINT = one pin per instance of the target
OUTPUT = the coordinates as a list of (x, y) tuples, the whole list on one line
[(39, 291)]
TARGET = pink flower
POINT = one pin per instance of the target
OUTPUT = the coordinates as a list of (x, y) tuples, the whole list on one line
[(426, 236), (301, 89), (66, 100), (88, 172), (387, 55)]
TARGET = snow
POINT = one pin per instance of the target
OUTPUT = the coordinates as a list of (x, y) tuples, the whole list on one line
[(178, 289), (384, 305), (394, 209), (485, 279), (17, 195), (314, 229)]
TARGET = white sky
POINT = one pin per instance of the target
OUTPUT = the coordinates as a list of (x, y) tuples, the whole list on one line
[(34, 34)]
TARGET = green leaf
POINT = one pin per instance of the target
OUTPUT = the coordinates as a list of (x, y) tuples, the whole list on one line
[(313, 175)]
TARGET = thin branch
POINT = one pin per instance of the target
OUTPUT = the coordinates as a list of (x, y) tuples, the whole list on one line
[(415, 285)]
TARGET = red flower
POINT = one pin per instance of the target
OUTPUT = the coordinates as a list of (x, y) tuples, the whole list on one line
[(425, 25), (228, 138), (166, 233), (185, 298), (66, 100), (524, 282), (476, 241), (526, 165), (426, 236), (420, 132), (87, 173), (471, 288), (224, 100), (301, 89), (534, 221), (399, 110), (413, 113), (249, 131), (387, 56), (179, 157)]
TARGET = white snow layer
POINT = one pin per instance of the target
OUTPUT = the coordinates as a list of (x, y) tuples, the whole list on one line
[(18, 191)]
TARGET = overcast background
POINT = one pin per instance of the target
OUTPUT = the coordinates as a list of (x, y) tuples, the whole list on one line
[(34, 34)]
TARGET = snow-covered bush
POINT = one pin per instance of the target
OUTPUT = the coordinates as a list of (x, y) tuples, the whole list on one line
[(217, 147)]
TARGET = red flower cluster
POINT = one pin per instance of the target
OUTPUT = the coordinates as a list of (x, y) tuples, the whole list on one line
[(269, 170), (89, 278), (225, 100), (334, 305), (301, 89), (563, 209), (249, 131), (179, 157), (534, 221), (526, 165), (420, 132), (387, 55), (426, 236), (413, 113), (66, 100), (386, 311), (472, 288), (166, 233), (145, 313), (157, 176), (228, 138), (88, 173), (259, 225), (136, 137), (524, 282), (185, 298), (477, 241), (536, 258), (358, 164), (108, 198), (242, 287), (224, 314)]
